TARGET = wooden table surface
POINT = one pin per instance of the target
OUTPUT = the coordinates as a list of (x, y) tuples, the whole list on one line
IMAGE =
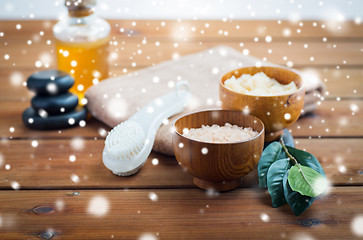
[(45, 195)]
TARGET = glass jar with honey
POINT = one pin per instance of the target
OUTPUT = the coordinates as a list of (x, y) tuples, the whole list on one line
[(82, 41)]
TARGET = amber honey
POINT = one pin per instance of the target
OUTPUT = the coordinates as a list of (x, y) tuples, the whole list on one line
[(85, 61)]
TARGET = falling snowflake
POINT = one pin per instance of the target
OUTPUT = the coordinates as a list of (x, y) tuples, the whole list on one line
[(38, 64), (156, 79), (356, 225), (1, 160), (34, 143), (80, 87), (153, 197), (322, 184), (258, 64), (287, 116), (15, 185), (71, 121), (7, 167), (246, 52), (246, 110), (204, 151), (52, 88), (77, 143), (150, 110), (264, 217), (302, 236), (185, 130), (211, 192), (59, 205), (147, 236), (74, 63), (354, 108), (165, 121), (171, 84), (82, 123), (342, 169), (16, 79), (215, 70), (74, 178), (155, 161), (120, 105), (98, 206), (72, 158), (286, 32)]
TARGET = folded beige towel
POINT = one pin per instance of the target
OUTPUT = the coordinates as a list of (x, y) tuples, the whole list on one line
[(114, 100)]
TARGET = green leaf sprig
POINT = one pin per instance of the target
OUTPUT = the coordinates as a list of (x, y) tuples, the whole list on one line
[(291, 176)]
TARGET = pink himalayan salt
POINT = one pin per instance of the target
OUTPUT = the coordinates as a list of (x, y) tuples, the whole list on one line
[(220, 134)]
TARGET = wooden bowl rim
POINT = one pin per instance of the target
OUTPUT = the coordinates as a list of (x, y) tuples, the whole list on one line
[(221, 83), (221, 110)]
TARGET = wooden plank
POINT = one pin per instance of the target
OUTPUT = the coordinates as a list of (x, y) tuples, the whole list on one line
[(13, 88), (48, 165), (317, 53), (51, 162), (177, 214), (245, 29), (332, 119), (343, 83)]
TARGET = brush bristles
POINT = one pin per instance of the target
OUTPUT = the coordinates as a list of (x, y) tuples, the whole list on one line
[(124, 141)]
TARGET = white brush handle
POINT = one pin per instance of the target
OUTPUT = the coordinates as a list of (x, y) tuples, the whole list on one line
[(151, 116)]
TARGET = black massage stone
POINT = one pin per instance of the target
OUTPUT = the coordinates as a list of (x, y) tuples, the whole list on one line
[(54, 105), (33, 120), (50, 82)]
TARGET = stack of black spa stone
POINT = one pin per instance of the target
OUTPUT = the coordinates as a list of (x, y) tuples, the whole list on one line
[(53, 107)]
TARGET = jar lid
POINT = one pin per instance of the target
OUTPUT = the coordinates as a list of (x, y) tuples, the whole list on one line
[(80, 8)]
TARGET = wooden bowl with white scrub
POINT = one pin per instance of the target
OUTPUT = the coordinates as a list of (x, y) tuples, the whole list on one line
[(276, 112)]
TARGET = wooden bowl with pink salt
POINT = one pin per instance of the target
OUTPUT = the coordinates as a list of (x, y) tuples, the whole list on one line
[(218, 147)]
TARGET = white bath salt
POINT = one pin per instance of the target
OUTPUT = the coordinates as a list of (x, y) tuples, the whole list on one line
[(259, 85), (220, 134)]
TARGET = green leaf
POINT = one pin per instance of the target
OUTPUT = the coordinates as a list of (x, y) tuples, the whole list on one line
[(297, 202), (287, 138), (306, 159), (306, 181), (275, 175), (272, 153)]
